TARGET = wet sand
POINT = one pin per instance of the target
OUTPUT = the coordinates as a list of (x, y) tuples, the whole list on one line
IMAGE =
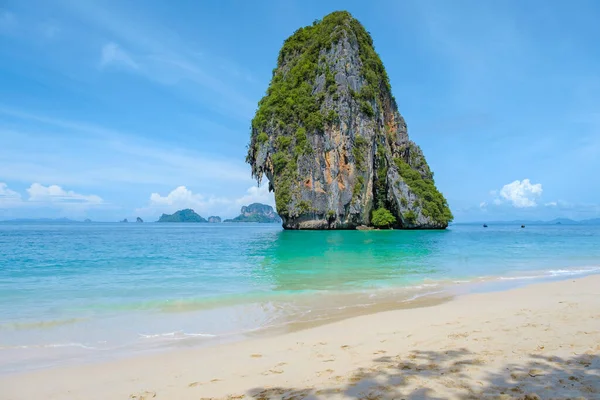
[(540, 341)]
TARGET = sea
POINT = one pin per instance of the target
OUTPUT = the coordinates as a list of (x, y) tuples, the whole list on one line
[(85, 292)]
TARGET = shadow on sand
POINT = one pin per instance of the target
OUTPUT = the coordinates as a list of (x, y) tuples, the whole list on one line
[(456, 374)]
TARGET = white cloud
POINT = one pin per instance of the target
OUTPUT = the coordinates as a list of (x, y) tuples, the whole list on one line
[(257, 194), (113, 54), (521, 194), (72, 153), (8, 198), (54, 194), (551, 204), (483, 204), (166, 58), (182, 197)]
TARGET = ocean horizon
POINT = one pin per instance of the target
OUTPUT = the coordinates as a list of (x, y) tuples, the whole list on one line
[(73, 293)]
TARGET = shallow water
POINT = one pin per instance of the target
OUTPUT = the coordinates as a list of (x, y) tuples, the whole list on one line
[(80, 292)]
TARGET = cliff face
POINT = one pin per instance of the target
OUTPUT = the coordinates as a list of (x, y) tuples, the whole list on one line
[(256, 212), (329, 138)]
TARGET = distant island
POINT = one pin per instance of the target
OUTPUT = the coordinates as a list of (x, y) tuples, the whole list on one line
[(253, 213), (40, 220), (187, 215), (556, 221), (257, 212)]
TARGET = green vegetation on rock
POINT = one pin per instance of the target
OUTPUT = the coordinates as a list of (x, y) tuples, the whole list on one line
[(290, 103), (187, 215), (380, 178), (382, 218), (256, 212), (262, 137), (358, 151), (433, 202), (328, 128), (410, 217), (358, 187)]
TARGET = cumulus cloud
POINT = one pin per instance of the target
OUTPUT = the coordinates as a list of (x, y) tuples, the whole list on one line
[(52, 196), (181, 197), (521, 194), (55, 194), (113, 54), (8, 197), (257, 194)]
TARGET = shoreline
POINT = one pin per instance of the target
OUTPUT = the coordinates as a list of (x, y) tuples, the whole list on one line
[(341, 306), (552, 321)]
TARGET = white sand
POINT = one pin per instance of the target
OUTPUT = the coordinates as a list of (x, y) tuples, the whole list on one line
[(542, 340)]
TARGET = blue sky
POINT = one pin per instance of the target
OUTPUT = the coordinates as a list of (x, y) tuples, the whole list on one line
[(114, 109)]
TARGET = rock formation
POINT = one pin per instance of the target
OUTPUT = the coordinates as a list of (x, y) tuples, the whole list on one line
[(187, 215), (214, 219), (125, 220), (330, 140), (257, 212), (139, 220)]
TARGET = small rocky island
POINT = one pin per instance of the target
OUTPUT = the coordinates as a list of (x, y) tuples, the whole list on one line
[(330, 140), (139, 220), (257, 212), (214, 219), (187, 215)]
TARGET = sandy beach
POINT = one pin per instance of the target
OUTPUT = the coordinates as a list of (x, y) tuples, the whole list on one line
[(540, 341)]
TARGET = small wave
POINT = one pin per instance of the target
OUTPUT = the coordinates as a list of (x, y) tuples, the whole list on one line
[(417, 296), (47, 346), (553, 273), (39, 324), (515, 278), (560, 272), (420, 286), (175, 335)]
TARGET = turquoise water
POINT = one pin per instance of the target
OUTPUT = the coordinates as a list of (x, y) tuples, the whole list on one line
[(76, 292)]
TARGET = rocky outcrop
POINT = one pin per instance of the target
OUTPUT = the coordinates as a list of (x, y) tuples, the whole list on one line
[(257, 212), (187, 215), (330, 140), (125, 220), (139, 220), (214, 219)]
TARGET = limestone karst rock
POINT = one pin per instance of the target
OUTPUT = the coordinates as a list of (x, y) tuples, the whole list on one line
[(330, 140)]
